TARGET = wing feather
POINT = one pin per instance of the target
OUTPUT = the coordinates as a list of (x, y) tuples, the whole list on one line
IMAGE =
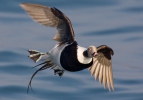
[(94, 67), (104, 76), (101, 72), (107, 75), (52, 17), (98, 68), (97, 71), (111, 77), (102, 67)]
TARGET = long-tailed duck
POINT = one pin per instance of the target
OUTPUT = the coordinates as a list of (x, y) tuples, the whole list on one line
[(67, 55)]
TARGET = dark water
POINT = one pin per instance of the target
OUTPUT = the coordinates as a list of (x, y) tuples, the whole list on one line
[(117, 23)]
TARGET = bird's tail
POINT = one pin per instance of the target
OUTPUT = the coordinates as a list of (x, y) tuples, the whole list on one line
[(36, 55)]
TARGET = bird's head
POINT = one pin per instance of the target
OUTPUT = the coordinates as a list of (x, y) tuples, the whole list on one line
[(90, 52)]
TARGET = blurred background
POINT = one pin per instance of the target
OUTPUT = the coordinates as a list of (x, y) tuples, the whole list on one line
[(116, 23)]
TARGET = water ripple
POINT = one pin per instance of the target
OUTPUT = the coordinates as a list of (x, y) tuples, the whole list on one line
[(15, 69), (13, 6), (133, 39), (133, 10), (129, 81), (6, 90), (120, 30), (10, 56)]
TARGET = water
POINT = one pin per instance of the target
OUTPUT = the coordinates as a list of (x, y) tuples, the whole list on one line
[(116, 23)]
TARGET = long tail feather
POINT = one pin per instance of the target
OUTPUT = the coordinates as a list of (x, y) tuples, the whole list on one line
[(46, 64), (40, 64)]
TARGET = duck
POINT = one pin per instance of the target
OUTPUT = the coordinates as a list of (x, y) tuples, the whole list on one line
[(67, 55)]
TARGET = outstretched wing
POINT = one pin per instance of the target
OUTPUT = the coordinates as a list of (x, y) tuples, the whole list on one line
[(102, 67), (52, 17)]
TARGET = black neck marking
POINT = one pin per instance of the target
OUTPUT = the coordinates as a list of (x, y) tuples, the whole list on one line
[(85, 53), (69, 59)]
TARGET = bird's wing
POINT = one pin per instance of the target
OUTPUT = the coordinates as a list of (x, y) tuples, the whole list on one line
[(102, 67), (52, 17)]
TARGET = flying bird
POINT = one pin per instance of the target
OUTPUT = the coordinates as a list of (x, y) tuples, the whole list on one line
[(67, 55)]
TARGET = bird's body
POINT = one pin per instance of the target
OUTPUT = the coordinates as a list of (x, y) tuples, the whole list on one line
[(71, 58), (67, 55)]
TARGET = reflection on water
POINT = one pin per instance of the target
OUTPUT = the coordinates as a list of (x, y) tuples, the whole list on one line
[(115, 23)]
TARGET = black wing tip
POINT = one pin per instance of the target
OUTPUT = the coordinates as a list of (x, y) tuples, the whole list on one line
[(106, 51), (106, 48), (57, 13)]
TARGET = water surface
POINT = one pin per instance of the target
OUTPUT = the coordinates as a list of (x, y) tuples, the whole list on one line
[(116, 23)]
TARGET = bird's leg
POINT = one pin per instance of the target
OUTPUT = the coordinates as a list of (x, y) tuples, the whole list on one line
[(59, 72)]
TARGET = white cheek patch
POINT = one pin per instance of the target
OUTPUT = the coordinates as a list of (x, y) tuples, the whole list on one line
[(80, 57)]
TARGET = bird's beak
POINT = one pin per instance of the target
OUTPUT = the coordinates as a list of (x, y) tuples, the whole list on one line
[(94, 54)]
